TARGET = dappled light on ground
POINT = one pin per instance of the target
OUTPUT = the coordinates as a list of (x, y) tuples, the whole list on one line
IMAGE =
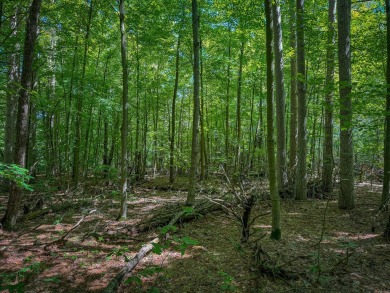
[(349, 257)]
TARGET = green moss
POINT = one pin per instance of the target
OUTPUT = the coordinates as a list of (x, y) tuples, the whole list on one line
[(276, 234)]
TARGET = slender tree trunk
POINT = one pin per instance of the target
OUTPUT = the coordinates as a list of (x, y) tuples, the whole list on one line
[(272, 177), (79, 104), (125, 106), (22, 134), (327, 170), (237, 166), (173, 114), (12, 94), (386, 175), (346, 193), (293, 94), (196, 101), (279, 97), (301, 172), (69, 106), (227, 114)]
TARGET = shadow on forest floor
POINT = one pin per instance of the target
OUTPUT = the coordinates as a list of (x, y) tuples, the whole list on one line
[(350, 258)]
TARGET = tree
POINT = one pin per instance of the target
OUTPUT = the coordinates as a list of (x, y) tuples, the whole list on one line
[(196, 101), (12, 92), (327, 171), (79, 102), (386, 156), (125, 106), (22, 131), (293, 94), (173, 114), (301, 174), (279, 96), (276, 229), (386, 177), (346, 192)]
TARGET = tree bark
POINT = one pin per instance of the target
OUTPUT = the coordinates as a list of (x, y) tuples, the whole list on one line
[(279, 97), (125, 106), (12, 94), (196, 101), (386, 173), (301, 173), (346, 192), (327, 170), (293, 94), (79, 104), (173, 114), (22, 133), (276, 229)]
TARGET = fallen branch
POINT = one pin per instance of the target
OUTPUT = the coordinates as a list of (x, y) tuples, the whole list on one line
[(62, 239), (145, 250)]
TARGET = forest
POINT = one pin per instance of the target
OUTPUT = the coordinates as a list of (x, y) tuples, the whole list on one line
[(194, 146)]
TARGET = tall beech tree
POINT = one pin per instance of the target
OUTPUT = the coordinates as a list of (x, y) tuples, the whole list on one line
[(346, 192), (22, 131), (301, 173), (327, 170), (279, 96), (272, 177), (196, 104)]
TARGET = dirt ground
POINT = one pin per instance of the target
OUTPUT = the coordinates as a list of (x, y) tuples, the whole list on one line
[(322, 249)]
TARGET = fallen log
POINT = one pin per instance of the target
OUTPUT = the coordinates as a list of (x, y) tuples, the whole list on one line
[(53, 209), (145, 250), (169, 212)]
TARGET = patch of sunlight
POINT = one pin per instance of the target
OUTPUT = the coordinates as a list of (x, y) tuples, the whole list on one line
[(294, 214), (363, 236), (262, 226), (302, 239)]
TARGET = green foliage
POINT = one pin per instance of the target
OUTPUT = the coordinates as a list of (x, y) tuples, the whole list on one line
[(15, 282), (227, 282), (16, 174), (118, 252)]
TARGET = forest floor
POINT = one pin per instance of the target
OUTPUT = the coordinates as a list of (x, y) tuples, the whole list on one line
[(323, 249)]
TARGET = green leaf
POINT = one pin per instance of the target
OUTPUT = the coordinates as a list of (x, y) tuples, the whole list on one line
[(133, 279)]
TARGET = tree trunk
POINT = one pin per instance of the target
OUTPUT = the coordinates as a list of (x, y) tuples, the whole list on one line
[(227, 121), (22, 134), (196, 101), (276, 229), (301, 173), (279, 97), (386, 174), (12, 94), (327, 170), (79, 104), (346, 193), (173, 115), (125, 106), (293, 94), (237, 166)]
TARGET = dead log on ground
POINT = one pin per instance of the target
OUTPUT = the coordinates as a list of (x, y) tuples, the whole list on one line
[(130, 265), (53, 209), (168, 212)]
